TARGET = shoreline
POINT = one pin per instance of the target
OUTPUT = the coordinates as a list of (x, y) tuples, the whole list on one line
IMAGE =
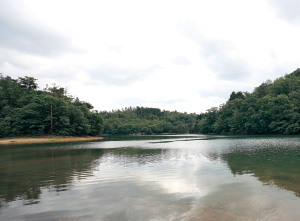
[(45, 139)]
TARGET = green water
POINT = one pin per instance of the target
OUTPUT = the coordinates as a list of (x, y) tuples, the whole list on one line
[(191, 177)]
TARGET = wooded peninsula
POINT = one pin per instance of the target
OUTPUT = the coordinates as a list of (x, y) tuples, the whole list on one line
[(272, 108)]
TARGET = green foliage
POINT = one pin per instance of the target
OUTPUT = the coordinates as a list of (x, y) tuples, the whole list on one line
[(272, 108), (147, 121), (24, 110), (235, 95), (28, 83)]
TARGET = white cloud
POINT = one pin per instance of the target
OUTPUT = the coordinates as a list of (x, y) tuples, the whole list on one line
[(185, 56), (288, 9)]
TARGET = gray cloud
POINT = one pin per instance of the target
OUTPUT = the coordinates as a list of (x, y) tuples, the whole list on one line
[(6, 56), (120, 76), (287, 9), (22, 35), (217, 54)]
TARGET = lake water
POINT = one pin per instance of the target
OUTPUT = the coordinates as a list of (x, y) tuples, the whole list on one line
[(191, 177)]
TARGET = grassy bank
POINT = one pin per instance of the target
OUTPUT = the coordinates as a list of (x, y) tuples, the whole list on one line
[(46, 139)]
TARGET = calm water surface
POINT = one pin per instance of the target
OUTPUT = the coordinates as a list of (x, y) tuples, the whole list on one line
[(192, 177)]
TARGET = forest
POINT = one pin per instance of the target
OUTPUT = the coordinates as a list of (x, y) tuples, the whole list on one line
[(143, 120), (272, 108), (27, 111)]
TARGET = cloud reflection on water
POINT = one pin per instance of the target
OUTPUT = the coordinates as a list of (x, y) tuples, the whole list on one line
[(187, 179)]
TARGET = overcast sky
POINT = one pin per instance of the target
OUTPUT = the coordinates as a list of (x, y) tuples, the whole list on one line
[(174, 55)]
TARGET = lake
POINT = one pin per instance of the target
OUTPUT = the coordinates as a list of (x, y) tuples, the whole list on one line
[(182, 177)]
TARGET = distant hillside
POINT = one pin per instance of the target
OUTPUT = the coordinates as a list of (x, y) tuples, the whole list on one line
[(272, 108), (147, 120), (26, 111)]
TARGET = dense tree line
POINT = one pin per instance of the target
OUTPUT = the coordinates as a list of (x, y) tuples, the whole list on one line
[(25, 110), (272, 108), (147, 121)]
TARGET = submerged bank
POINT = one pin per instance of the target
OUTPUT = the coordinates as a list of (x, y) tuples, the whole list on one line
[(50, 139)]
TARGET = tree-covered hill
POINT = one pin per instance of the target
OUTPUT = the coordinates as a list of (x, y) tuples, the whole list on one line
[(26, 111), (147, 121), (272, 108)]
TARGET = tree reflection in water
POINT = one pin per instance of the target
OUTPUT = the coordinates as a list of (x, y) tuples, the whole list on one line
[(25, 170)]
